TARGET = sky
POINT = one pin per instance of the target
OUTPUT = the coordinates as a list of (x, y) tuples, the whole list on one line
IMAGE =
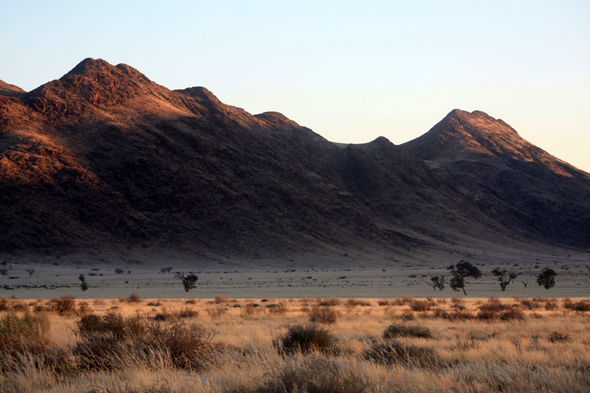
[(349, 70)]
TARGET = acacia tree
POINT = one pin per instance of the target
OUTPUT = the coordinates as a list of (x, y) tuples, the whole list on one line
[(460, 272), (189, 282), (437, 282), (504, 276), (83, 283), (547, 278)]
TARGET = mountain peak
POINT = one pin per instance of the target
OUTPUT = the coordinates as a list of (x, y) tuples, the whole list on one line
[(89, 65)]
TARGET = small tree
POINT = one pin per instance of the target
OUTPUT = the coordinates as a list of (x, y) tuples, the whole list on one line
[(83, 283), (30, 271), (504, 276), (189, 282), (3, 272), (460, 272), (437, 282), (547, 278)]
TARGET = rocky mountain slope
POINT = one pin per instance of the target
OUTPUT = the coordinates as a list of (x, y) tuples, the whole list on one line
[(510, 180), (106, 158)]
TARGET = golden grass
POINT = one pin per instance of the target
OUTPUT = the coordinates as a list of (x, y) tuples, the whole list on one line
[(548, 350)]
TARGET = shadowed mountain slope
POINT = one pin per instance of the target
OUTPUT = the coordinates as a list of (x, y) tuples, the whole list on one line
[(106, 158), (512, 181)]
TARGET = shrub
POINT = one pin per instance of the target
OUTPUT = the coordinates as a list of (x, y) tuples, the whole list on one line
[(330, 302), (408, 315), (134, 298), (277, 308), (84, 309), (216, 312), (420, 305), (494, 305), (316, 375), (188, 313), (252, 309), (580, 306), (190, 347), (487, 315), (395, 352), (321, 314), (455, 315), (112, 324), (512, 314), (101, 353), (221, 299), (418, 331), (350, 303), (178, 344), (29, 327), (24, 340), (530, 304), (559, 336), (305, 339), (384, 302), (63, 305)]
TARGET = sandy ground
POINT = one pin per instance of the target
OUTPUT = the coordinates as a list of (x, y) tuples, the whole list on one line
[(349, 277)]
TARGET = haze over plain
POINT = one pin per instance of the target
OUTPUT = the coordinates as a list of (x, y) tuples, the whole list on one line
[(350, 71)]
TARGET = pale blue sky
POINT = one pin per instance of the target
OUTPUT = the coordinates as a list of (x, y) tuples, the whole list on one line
[(349, 70)]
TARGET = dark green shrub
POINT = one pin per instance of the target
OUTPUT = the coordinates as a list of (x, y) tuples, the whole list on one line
[(305, 339)]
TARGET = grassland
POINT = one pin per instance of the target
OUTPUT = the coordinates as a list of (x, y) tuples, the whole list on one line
[(271, 345)]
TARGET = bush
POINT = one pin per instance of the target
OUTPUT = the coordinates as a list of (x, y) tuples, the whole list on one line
[(134, 298), (350, 303), (418, 331), (559, 336), (29, 327), (420, 305), (24, 342), (63, 305), (330, 302), (305, 339), (513, 314), (221, 299), (112, 324), (101, 353), (277, 308), (116, 342), (580, 306), (317, 375), (494, 305), (395, 352), (188, 313), (321, 314)]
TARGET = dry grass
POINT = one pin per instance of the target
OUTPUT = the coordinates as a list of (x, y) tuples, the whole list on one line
[(230, 345)]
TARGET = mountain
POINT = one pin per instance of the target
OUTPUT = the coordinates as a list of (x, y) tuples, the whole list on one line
[(518, 184), (104, 158)]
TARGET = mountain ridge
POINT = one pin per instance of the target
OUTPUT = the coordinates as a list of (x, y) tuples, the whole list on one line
[(105, 158)]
